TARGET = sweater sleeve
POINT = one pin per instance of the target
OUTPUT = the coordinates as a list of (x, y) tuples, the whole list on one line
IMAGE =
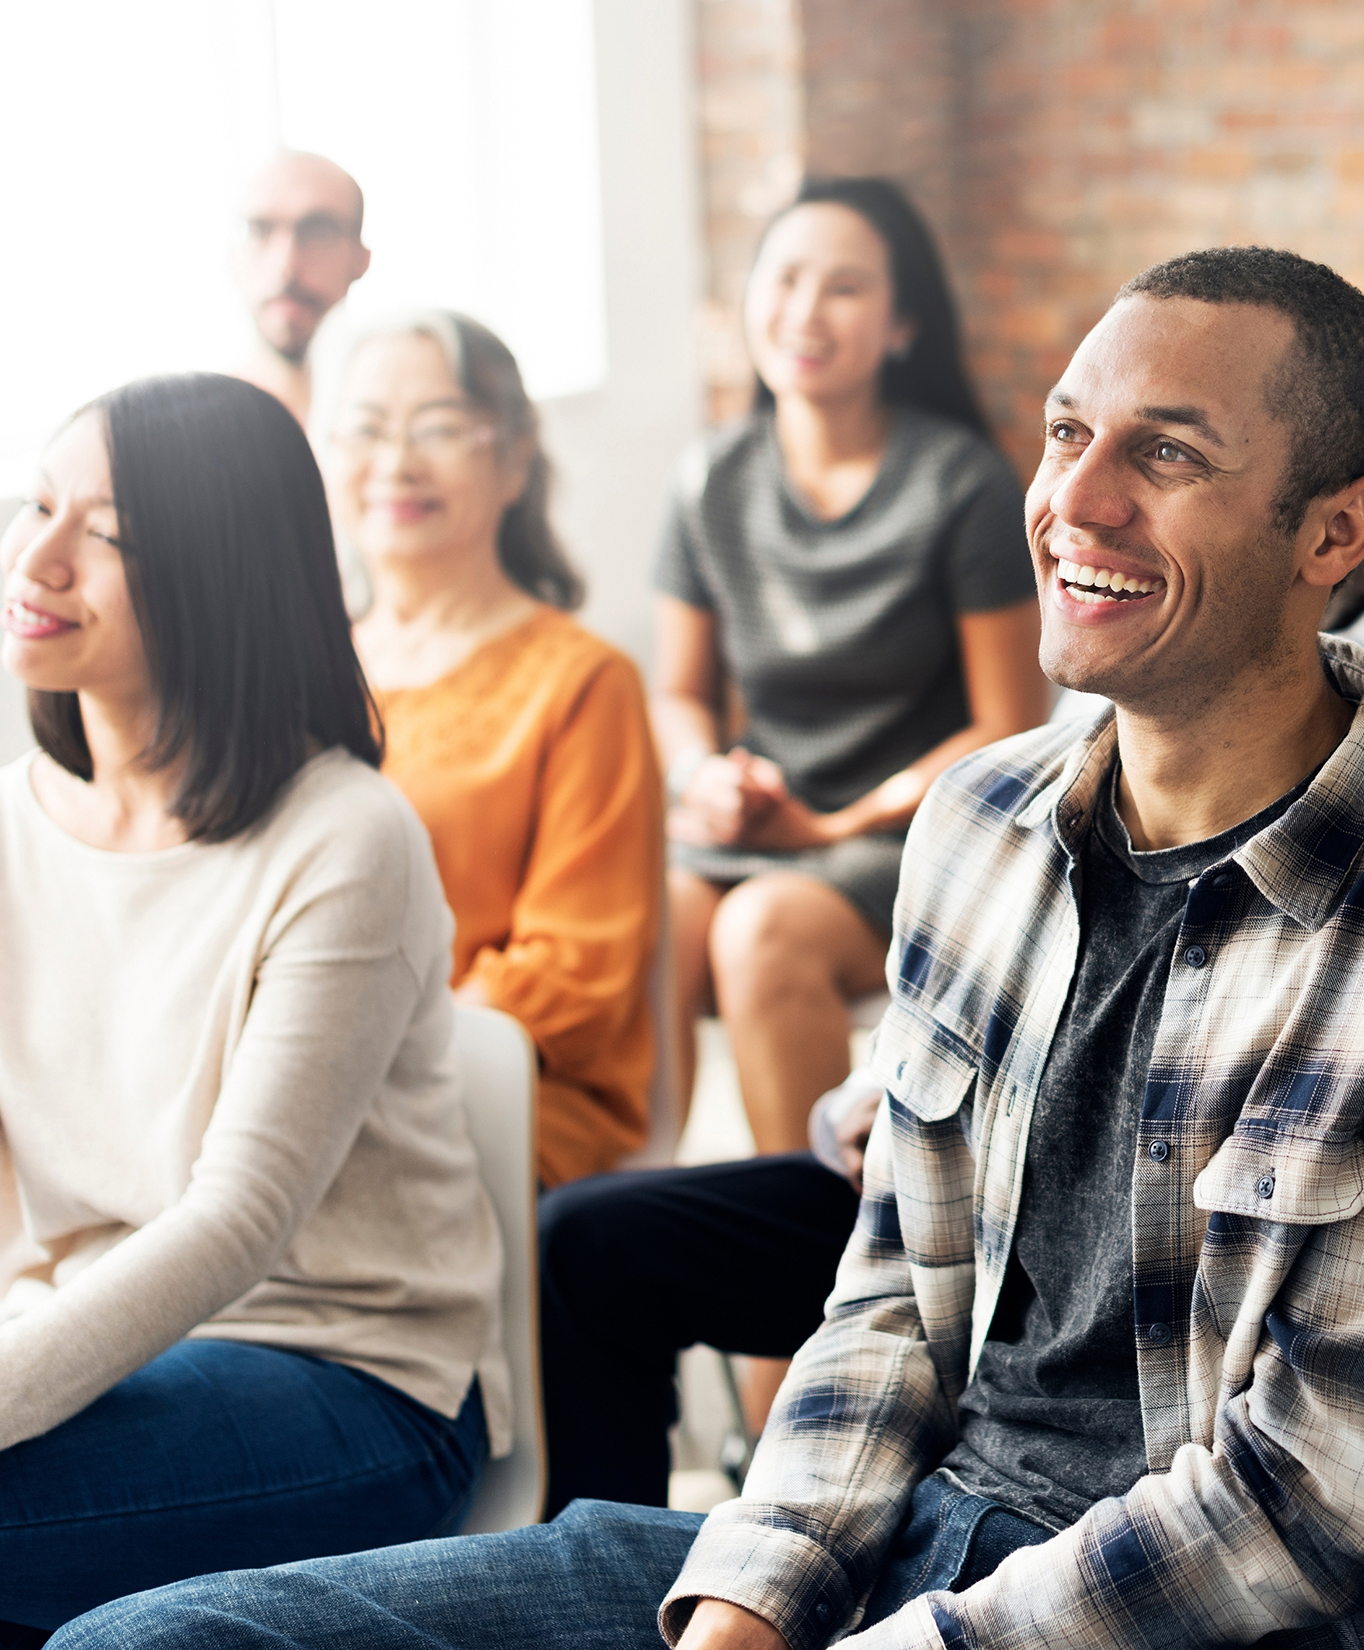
[(585, 918), (333, 998)]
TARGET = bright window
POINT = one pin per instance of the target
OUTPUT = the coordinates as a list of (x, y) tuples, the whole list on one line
[(127, 129)]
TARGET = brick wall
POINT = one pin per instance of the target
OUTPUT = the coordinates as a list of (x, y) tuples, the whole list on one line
[(1058, 146), (750, 97)]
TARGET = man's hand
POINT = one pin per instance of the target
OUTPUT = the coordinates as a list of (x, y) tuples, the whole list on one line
[(852, 1132), (716, 1625)]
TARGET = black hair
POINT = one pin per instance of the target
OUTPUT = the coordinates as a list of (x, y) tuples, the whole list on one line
[(1317, 389), (932, 373), (528, 548), (227, 543)]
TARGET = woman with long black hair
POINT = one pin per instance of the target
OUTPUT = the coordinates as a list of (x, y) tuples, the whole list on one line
[(851, 559), (248, 1276)]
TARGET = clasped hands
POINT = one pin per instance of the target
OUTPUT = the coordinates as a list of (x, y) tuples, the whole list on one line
[(740, 800)]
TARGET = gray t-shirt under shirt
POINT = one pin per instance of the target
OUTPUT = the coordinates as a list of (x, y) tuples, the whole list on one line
[(1051, 1422), (841, 635)]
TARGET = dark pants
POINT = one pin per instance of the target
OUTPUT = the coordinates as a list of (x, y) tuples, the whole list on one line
[(635, 1267)]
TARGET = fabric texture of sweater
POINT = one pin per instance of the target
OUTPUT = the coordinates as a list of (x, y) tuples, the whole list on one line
[(533, 768), (230, 1107)]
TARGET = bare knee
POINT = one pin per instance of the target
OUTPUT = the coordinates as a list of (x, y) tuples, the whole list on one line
[(763, 945)]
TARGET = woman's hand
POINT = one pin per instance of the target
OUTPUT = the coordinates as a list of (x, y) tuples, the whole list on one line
[(725, 800), (789, 825), (741, 801)]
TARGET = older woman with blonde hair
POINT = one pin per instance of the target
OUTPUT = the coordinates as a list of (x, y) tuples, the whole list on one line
[(521, 739)]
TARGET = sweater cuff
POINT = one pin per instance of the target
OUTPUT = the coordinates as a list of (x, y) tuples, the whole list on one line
[(780, 1575)]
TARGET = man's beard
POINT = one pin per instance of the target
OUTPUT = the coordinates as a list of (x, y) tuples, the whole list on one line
[(294, 351), (1240, 627)]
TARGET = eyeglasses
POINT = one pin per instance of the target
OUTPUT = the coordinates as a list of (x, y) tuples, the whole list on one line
[(318, 232), (436, 438)]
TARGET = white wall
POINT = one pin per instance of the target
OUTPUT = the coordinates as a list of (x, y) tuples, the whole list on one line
[(614, 447)]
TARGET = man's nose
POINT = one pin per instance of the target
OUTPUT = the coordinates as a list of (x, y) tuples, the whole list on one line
[(1092, 491), (283, 256)]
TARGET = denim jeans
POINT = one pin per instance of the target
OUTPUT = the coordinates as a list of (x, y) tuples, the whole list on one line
[(221, 1455), (591, 1580)]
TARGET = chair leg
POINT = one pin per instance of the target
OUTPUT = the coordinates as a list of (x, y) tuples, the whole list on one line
[(736, 1452)]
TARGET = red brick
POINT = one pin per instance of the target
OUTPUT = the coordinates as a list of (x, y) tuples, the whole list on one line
[(1011, 121)]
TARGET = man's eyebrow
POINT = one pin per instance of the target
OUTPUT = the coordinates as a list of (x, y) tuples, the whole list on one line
[(1191, 418)]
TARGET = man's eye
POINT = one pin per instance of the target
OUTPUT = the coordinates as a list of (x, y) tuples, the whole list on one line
[(1170, 452), (37, 506), (1061, 431), (318, 232)]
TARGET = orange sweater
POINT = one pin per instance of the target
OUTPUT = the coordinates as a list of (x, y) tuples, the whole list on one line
[(532, 767)]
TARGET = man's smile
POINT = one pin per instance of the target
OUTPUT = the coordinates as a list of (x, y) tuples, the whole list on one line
[(1104, 584)]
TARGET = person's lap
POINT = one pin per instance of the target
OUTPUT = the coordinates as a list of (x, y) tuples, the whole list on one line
[(594, 1578), (865, 870), (634, 1267), (221, 1455)]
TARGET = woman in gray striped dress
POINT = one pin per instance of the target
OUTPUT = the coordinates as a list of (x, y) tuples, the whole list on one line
[(846, 567)]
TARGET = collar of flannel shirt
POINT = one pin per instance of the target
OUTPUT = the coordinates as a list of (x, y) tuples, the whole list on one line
[(1252, 1112), (1301, 862)]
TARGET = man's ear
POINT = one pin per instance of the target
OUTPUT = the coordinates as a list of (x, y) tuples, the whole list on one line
[(1334, 533)]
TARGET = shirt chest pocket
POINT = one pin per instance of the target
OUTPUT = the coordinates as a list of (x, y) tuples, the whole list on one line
[(928, 1070), (1300, 1180)]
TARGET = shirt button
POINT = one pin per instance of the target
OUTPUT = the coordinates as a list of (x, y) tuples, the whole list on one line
[(1195, 956), (1221, 879), (1159, 1334), (1264, 1186), (822, 1611), (1158, 1150)]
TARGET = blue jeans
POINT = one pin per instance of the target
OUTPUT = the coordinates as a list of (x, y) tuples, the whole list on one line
[(215, 1456), (591, 1580)]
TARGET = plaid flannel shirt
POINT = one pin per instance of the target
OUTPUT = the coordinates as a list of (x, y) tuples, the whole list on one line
[(1248, 1240)]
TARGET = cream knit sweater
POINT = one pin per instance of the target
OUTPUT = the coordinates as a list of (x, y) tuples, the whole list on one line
[(229, 1106)]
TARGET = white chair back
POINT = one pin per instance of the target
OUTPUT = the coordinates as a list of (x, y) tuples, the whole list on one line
[(665, 1103), (499, 1074), (864, 1013)]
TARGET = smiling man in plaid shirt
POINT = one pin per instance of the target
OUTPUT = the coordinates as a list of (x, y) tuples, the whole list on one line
[(1093, 1371)]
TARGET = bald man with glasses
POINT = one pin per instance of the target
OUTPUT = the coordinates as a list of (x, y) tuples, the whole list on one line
[(299, 255)]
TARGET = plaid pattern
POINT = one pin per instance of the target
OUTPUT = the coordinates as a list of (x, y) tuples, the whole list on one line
[(1247, 1232)]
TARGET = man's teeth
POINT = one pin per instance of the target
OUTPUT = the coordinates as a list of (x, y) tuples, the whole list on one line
[(1087, 582)]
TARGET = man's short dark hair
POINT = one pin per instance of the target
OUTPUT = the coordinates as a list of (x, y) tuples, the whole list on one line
[(1318, 389), (227, 542)]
